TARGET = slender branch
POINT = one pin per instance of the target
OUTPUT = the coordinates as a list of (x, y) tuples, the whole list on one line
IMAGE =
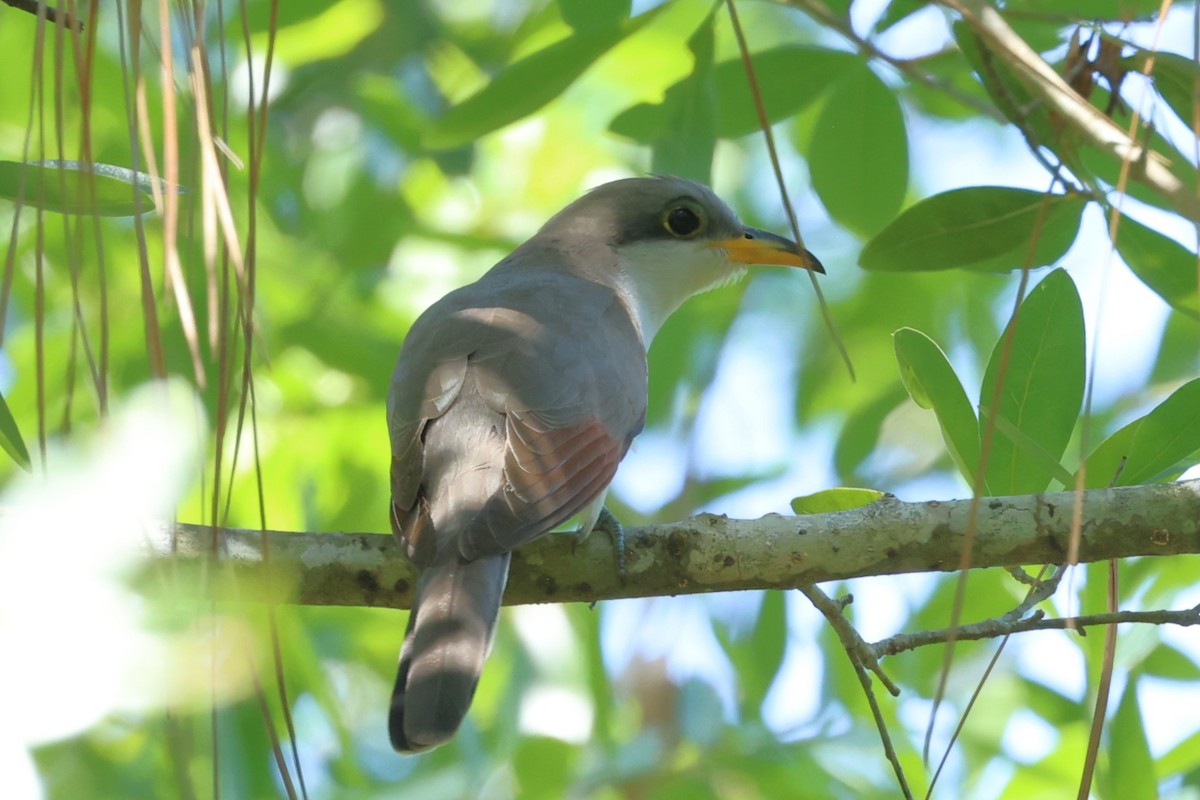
[(708, 553), (862, 659), (52, 15), (822, 13), (1091, 125), (995, 628)]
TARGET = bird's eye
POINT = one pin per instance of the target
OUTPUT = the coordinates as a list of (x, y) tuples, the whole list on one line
[(683, 220)]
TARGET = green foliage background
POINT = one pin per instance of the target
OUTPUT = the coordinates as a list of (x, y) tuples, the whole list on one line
[(410, 146)]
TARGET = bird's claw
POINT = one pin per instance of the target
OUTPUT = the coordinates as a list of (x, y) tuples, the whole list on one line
[(608, 523)]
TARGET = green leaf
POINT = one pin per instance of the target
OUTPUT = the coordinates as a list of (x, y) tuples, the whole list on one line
[(1161, 263), (840, 499), (10, 437), (1151, 444), (789, 77), (544, 766), (931, 382), (898, 10), (525, 86), (858, 158), (1131, 773), (1115, 10), (1041, 390), (860, 431), (1032, 450), (757, 658), (1174, 79), (589, 15), (67, 187), (1166, 661), (986, 228), (686, 147)]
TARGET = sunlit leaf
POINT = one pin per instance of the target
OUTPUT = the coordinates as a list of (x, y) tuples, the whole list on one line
[(841, 499), (74, 187), (1041, 385), (10, 437), (932, 383), (527, 85), (858, 157), (789, 77), (987, 228)]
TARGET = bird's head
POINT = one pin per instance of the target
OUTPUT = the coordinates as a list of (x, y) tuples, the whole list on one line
[(657, 241)]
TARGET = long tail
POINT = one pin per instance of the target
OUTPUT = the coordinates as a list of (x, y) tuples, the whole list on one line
[(449, 635)]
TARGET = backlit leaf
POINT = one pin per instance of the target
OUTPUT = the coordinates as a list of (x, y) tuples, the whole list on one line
[(931, 382), (987, 228), (74, 187), (1040, 388)]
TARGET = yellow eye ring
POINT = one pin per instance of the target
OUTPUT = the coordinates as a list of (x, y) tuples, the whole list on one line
[(684, 219)]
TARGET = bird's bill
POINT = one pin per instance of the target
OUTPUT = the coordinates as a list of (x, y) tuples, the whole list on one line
[(756, 246)]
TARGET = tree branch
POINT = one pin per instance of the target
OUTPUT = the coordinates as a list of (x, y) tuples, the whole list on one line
[(708, 553), (1093, 127)]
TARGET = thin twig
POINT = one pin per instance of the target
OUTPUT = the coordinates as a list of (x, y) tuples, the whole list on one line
[(830, 19), (860, 656), (765, 125), (39, 7), (995, 628)]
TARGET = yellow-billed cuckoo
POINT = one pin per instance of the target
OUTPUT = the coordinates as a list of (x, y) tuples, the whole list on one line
[(515, 398)]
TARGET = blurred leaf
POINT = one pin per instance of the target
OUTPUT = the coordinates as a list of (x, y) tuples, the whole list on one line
[(1161, 263), (841, 499), (336, 30), (858, 158), (1130, 774), (543, 766), (860, 432), (685, 352), (527, 85), (1150, 445), (10, 438), (789, 77), (896, 11), (67, 187), (757, 658), (1115, 10), (1183, 757), (1174, 77), (1041, 390), (931, 382), (1006, 91), (986, 228), (1166, 661), (686, 147), (699, 712), (590, 15)]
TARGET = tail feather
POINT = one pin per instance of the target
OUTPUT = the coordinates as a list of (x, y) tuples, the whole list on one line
[(448, 638)]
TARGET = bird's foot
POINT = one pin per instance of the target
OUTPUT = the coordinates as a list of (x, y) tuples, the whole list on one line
[(607, 523)]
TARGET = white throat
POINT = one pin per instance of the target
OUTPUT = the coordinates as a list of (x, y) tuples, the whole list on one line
[(654, 278)]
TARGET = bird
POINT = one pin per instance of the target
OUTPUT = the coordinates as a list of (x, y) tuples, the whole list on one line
[(515, 397)]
